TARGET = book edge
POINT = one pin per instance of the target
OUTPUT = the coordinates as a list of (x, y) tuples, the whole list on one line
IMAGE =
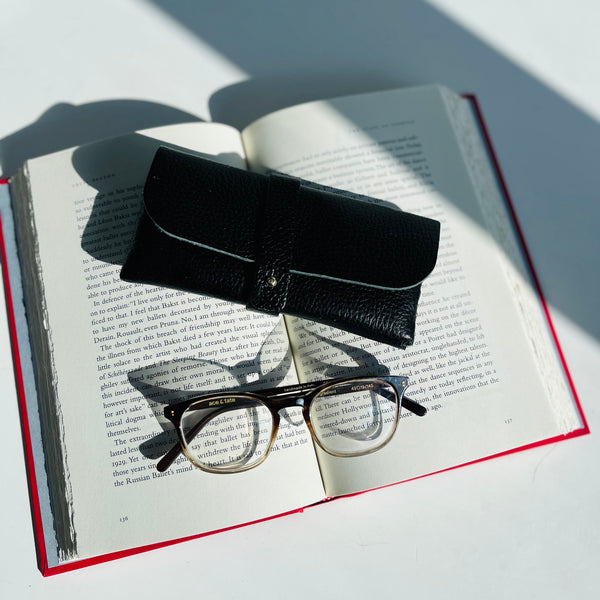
[(24, 416), (472, 98)]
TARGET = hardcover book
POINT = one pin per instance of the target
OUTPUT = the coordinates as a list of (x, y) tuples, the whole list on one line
[(98, 359)]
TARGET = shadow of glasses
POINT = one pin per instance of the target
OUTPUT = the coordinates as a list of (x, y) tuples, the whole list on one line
[(177, 380)]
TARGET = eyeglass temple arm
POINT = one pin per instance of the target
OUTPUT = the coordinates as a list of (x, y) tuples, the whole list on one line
[(414, 407), (167, 460)]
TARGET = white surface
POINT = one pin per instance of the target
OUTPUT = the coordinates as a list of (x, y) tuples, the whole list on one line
[(523, 526)]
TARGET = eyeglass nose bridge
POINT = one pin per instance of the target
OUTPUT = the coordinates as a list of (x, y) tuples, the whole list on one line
[(291, 400), (296, 399)]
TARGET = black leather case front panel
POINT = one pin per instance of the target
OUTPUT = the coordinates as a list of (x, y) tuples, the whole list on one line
[(277, 244)]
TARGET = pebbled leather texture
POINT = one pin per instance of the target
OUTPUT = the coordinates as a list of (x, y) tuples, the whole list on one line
[(279, 244)]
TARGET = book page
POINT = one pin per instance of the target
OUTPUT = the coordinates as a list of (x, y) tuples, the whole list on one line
[(473, 363), (118, 353)]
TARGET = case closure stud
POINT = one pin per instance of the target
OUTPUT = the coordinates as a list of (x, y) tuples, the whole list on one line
[(271, 281)]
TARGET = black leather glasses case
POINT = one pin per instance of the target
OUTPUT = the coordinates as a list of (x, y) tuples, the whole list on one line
[(282, 245)]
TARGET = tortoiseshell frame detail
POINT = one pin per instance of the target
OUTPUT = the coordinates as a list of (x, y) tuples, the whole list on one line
[(276, 399)]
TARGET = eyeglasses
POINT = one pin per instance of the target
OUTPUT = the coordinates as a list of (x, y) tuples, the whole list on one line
[(231, 432)]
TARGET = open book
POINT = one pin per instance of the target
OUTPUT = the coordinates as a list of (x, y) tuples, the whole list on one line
[(108, 356)]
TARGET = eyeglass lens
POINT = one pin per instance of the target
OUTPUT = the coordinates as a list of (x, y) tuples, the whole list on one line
[(355, 418), (231, 440)]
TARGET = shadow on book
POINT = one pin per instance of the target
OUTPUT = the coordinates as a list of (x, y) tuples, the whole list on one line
[(67, 125), (110, 228), (177, 380)]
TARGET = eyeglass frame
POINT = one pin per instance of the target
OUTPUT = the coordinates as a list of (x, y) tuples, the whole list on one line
[(275, 399)]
